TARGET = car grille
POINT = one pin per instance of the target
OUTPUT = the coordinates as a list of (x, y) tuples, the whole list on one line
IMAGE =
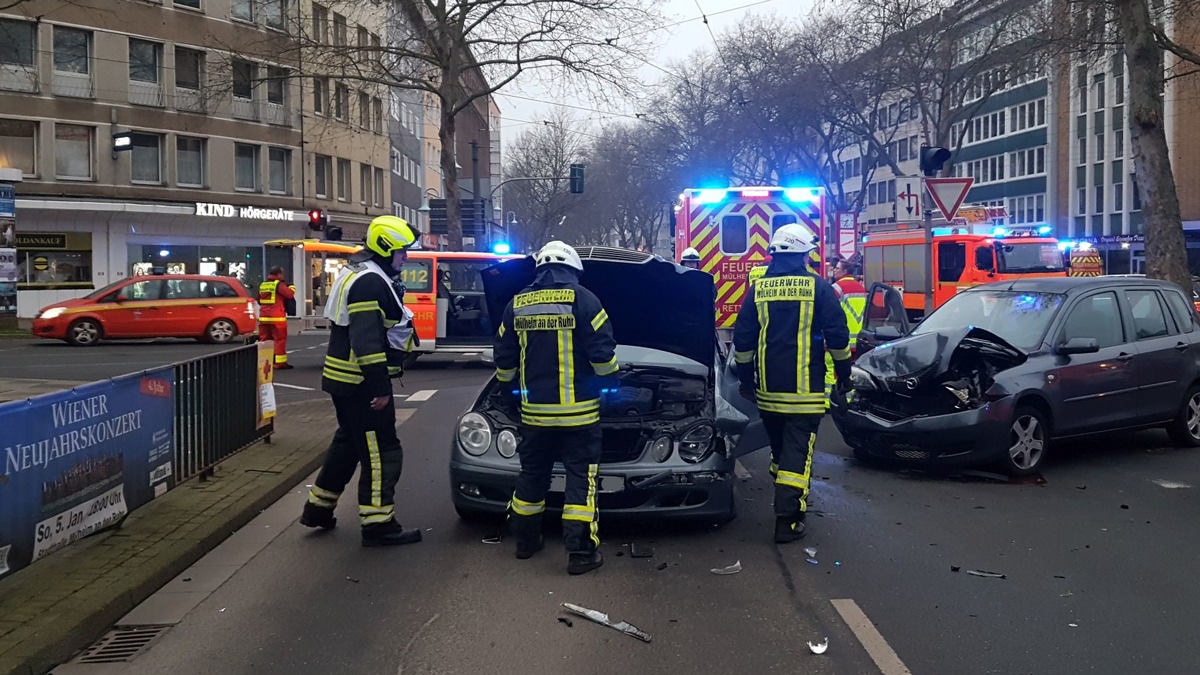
[(621, 445), (910, 452)]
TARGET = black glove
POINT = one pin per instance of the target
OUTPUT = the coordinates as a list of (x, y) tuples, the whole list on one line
[(841, 371)]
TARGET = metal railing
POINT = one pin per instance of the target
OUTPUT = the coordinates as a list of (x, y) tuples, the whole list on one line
[(216, 410)]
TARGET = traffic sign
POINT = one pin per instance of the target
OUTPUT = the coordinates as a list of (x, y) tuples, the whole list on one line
[(908, 200), (948, 194)]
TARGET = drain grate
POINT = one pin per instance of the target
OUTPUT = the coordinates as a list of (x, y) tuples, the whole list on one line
[(121, 645)]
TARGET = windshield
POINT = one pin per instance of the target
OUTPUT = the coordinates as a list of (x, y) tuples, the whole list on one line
[(1026, 258), (104, 291), (1020, 318)]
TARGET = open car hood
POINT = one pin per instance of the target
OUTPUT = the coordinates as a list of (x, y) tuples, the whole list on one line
[(650, 302), (921, 358)]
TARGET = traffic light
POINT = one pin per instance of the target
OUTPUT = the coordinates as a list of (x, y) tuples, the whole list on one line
[(932, 159), (318, 221), (576, 179)]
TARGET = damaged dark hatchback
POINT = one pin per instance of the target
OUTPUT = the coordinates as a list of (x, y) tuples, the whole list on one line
[(671, 429), (1002, 370)]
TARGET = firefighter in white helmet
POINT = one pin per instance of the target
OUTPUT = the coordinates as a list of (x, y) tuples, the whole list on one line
[(690, 258), (790, 318)]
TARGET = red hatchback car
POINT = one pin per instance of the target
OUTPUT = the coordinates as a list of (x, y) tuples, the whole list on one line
[(212, 309)]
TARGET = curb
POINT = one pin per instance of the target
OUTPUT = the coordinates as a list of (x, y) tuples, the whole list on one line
[(110, 599)]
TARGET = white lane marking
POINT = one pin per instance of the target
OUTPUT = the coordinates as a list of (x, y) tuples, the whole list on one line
[(1170, 484), (877, 648), (423, 395), (293, 386), (315, 347)]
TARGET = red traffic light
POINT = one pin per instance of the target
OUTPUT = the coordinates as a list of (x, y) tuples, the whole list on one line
[(316, 219)]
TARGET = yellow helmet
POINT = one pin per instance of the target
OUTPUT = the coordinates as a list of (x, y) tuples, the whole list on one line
[(388, 234)]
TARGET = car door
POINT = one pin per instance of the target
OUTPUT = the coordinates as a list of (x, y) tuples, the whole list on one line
[(185, 314), (135, 309), (885, 320), (1165, 367), (467, 321), (734, 414), (1094, 391)]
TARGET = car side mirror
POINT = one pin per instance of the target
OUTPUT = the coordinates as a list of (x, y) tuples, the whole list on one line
[(120, 298), (887, 333), (1079, 345)]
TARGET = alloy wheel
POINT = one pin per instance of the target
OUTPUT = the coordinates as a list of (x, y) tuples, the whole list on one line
[(85, 333), (1028, 441), (1193, 416), (221, 331)]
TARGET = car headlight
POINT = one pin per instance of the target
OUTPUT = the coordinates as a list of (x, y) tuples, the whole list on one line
[(861, 379), (506, 443), (697, 443), (474, 434), (53, 313), (660, 449)]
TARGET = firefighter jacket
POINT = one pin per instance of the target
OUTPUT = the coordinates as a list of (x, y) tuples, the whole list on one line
[(789, 319), (556, 341), (370, 332), (273, 295), (853, 297)]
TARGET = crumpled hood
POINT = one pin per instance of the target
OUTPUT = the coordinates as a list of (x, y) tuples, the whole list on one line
[(651, 303), (917, 359)]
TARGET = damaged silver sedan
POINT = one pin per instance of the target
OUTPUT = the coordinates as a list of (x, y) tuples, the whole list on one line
[(1002, 370)]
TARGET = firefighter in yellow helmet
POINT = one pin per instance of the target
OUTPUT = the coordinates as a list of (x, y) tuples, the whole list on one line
[(789, 319), (555, 339), (371, 330)]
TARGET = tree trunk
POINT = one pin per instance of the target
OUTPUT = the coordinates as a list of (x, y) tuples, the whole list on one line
[(446, 134), (1166, 250)]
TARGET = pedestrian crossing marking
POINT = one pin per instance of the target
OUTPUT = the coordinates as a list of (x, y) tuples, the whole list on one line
[(423, 395)]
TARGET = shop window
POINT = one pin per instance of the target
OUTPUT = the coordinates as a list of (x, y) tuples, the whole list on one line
[(145, 58), (73, 151), (189, 158), (146, 159), (279, 170), (48, 260), (735, 234), (71, 52), (18, 145), (245, 164)]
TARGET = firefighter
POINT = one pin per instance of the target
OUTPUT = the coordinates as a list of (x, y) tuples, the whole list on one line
[(690, 258), (852, 296), (274, 295), (556, 340), (791, 315), (370, 331)]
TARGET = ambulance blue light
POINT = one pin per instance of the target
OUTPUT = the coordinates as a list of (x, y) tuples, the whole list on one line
[(1045, 229), (942, 231), (501, 248), (711, 196), (999, 231), (800, 195)]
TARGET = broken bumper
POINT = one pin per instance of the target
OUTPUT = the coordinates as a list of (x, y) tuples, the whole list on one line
[(962, 438), (702, 492)]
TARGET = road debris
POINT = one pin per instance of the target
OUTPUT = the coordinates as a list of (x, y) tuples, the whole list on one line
[(1080, 487), (661, 567), (810, 552), (837, 563), (1125, 506), (955, 568), (620, 554), (732, 569), (1073, 625), (1068, 594), (819, 648), (352, 580), (986, 574), (493, 540), (1170, 484), (811, 561), (565, 620), (602, 619), (1059, 576), (640, 551)]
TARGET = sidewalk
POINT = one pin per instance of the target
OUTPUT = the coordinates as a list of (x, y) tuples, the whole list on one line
[(14, 389), (52, 609)]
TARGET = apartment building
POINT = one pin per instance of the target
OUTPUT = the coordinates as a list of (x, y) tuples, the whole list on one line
[(143, 144)]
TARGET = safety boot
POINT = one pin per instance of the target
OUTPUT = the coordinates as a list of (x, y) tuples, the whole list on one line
[(788, 529), (317, 516), (582, 563), (527, 530), (284, 366), (528, 546), (389, 534)]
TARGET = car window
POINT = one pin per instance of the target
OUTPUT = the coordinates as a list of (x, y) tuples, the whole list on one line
[(217, 289), (1148, 318), (952, 260), (735, 234), (143, 290), (1022, 318), (416, 275), (183, 289), (1184, 311), (1096, 317)]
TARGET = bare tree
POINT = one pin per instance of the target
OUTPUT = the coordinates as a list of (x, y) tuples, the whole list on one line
[(544, 203), (631, 185)]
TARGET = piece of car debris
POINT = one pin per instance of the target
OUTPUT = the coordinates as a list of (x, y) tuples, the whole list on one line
[(732, 569), (955, 568), (1125, 506), (640, 551), (819, 648), (493, 540), (986, 574), (810, 552), (602, 619), (811, 561), (661, 567), (565, 620), (352, 580)]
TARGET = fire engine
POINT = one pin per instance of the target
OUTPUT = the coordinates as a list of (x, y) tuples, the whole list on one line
[(732, 227), (963, 257)]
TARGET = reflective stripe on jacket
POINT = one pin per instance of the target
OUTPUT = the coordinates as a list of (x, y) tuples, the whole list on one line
[(363, 307), (273, 295)]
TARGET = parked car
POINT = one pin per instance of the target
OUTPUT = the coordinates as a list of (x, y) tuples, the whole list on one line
[(209, 308), (1002, 371), (671, 429)]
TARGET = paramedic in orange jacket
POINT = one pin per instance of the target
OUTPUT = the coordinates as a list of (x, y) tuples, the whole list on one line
[(273, 297)]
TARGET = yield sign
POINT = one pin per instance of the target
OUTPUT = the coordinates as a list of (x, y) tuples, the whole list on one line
[(949, 193)]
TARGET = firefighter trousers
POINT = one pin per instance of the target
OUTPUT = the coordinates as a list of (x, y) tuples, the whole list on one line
[(579, 451), (278, 332), (793, 438), (365, 438)]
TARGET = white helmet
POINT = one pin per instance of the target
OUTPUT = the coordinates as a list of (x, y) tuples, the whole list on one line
[(690, 254), (558, 253), (794, 238)]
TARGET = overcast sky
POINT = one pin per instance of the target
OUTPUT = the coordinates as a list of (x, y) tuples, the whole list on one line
[(677, 42)]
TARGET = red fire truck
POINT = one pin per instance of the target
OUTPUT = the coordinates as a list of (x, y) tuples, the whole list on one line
[(732, 227)]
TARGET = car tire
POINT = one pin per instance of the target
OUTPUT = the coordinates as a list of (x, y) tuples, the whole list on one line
[(84, 333), (220, 331), (1028, 442), (473, 516), (1184, 430)]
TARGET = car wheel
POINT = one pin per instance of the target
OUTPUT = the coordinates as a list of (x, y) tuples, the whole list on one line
[(1185, 428), (220, 331), (1028, 440), (473, 516), (84, 333)]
